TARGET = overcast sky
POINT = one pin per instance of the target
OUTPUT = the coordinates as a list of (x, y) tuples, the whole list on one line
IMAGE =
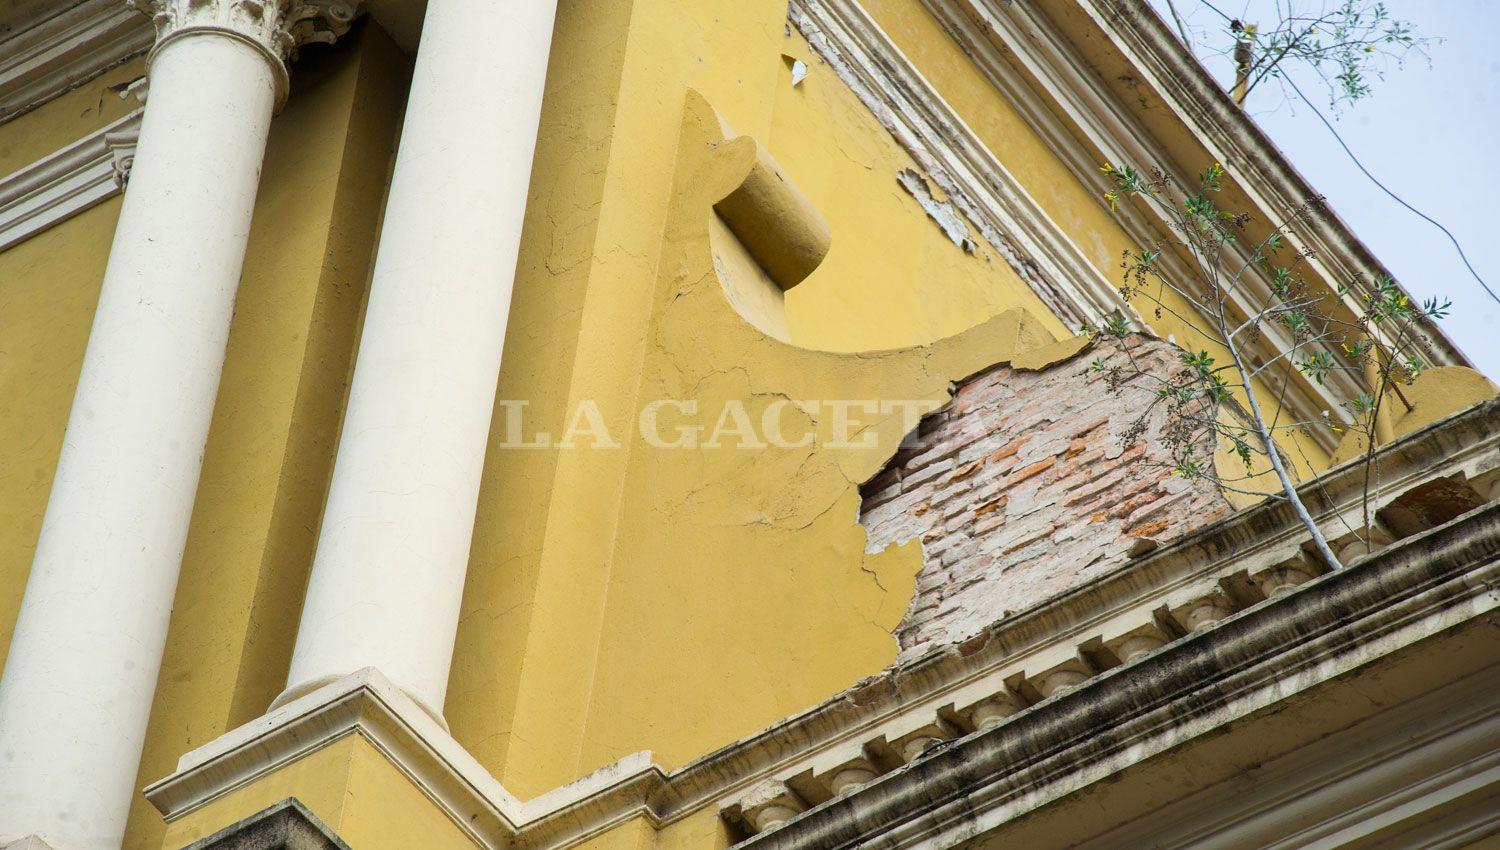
[(1430, 132)]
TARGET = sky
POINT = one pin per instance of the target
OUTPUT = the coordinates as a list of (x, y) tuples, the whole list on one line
[(1430, 132)]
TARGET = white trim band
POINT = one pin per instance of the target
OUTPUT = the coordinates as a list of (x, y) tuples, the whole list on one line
[(65, 183)]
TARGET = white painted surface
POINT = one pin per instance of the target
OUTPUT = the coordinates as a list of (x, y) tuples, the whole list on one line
[(78, 683), (389, 571)]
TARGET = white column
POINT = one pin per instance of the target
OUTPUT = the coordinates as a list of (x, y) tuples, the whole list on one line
[(81, 671), (388, 576)]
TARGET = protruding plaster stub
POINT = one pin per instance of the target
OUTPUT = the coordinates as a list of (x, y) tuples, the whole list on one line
[(772, 217)]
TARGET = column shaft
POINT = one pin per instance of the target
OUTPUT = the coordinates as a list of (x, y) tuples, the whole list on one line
[(388, 576), (78, 683)]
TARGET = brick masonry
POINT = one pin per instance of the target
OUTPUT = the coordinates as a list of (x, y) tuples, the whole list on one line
[(1022, 488)]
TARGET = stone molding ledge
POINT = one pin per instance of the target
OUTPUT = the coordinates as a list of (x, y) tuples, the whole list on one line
[(953, 156), (365, 703), (1368, 778), (1167, 70), (1085, 107)]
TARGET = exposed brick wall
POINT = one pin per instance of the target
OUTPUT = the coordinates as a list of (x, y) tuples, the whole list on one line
[(1022, 488)]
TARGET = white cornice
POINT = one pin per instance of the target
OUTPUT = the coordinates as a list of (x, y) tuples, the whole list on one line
[(67, 49), (954, 157), (65, 183)]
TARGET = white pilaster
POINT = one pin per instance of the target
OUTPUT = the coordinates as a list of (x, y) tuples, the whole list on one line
[(388, 576), (78, 683)]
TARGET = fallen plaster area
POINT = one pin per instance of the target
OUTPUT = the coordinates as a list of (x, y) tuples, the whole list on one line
[(1025, 486)]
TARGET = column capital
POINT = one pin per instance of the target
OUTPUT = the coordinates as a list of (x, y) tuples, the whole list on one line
[(274, 27)]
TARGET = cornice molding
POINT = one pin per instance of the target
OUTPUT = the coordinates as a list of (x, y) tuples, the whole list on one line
[(1062, 97), (67, 50), (64, 184), (365, 703), (936, 695), (1143, 39), (1259, 658), (952, 156), (1386, 762)]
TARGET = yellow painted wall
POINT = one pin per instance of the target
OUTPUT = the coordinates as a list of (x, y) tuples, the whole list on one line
[(350, 786), (595, 571), (48, 287), (892, 278), (734, 583), (554, 641)]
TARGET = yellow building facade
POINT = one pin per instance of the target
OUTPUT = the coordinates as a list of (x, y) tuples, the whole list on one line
[(463, 424)]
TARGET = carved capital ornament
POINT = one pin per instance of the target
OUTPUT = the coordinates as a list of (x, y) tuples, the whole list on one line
[(277, 28)]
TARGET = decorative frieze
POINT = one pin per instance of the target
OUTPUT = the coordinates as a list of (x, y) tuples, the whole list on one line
[(1063, 678), (1204, 611), (953, 697), (912, 745), (1359, 544), (851, 775), (1285, 576), (1139, 642), (1199, 686)]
